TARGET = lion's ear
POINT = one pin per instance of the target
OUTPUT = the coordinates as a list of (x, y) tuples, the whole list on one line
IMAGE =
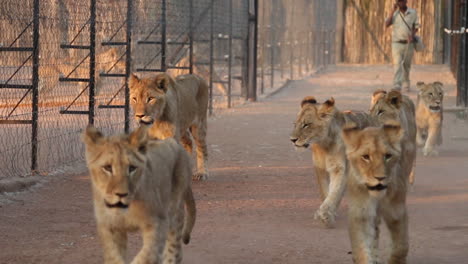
[(377, 95), (91, 136), (420, 85), (394, 98), (308, 100), (393, 132), (350, 134), (133, 80), (439, 84), (139, 138), (163, 81)]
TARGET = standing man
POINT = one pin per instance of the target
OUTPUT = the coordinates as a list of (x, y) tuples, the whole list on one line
[(405, 23)]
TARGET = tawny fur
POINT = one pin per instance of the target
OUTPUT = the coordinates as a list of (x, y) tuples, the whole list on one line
[(429, 116), (393, 106), (320, 125), (140, 185), (374, 155), (174, 108)]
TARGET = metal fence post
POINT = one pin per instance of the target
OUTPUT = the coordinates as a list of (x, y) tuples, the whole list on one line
[(35, 87), (253, 40), (462, 78), (92, 59), (210, 104), (230, 55), (128, 62), (191, 36), (163, 36)]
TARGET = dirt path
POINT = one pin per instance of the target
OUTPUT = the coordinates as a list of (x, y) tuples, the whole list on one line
[(258, 205)]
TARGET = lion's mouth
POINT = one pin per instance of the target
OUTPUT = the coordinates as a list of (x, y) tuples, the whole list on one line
[(146, 122), (378, 187), (119, 204), (306, 145), (434, 108)]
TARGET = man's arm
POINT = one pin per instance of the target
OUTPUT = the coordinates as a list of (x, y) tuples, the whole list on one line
[(389, 20)]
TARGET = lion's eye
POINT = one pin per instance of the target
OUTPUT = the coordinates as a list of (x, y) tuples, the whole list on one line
[(430, 94), (388, 156), (305, 125), (380, 112), (131, 168), (108, 168), (134, 99), (440, 94), (366, 157), (150, 99)]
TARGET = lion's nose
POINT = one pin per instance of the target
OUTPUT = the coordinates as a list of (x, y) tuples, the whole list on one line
[(380, 178), (293, 140), (121, 195), (140, 116)]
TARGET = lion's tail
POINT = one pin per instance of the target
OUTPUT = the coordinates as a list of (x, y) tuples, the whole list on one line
[(190, 216)]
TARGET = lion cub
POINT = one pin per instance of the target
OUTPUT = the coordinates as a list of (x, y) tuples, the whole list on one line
[(376, 189), (320, 125), (140, 185), (175, 108), (429, 116), (393, 106)]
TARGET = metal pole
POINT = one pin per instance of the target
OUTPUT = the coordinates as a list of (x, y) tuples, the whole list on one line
[(292, 43), (262, 88), (191, 36), (35, 88), (272, 56), (462, 80), (163, 36), (253, 40), (128, 62), (230, 54), (92, 59), (210, 104)]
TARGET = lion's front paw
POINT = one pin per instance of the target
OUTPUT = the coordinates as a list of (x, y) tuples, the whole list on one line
[(326, 216), (200, 176), (430, 152)]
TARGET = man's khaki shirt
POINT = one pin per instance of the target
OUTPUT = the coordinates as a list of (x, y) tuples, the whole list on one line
[(400, 30)]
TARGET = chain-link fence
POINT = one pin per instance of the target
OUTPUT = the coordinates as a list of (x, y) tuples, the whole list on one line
[(64, 63)]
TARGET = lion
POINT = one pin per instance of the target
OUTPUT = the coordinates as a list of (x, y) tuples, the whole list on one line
[(393, 106), (377, 187), (108, 60), (174, 108), (320, 125), (429, 116), (140, 185)]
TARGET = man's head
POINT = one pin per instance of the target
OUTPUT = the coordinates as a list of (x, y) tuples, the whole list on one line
[(402, 3)]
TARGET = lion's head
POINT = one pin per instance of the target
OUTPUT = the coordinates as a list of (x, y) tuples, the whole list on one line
[(148, 96), (431, 95), (116, 165), (373, 153), (386, 106), (312, 122)]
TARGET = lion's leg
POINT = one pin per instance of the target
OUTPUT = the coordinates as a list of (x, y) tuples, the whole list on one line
[(186, 141), (420, 139), (173, 250), (327, 210), (363, 232), (199, 134), (154, 238), (115, 245), (396, 218), (432, 135), (323, 180)]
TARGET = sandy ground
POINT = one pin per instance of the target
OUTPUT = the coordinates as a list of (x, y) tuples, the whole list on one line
[(258, 205)]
